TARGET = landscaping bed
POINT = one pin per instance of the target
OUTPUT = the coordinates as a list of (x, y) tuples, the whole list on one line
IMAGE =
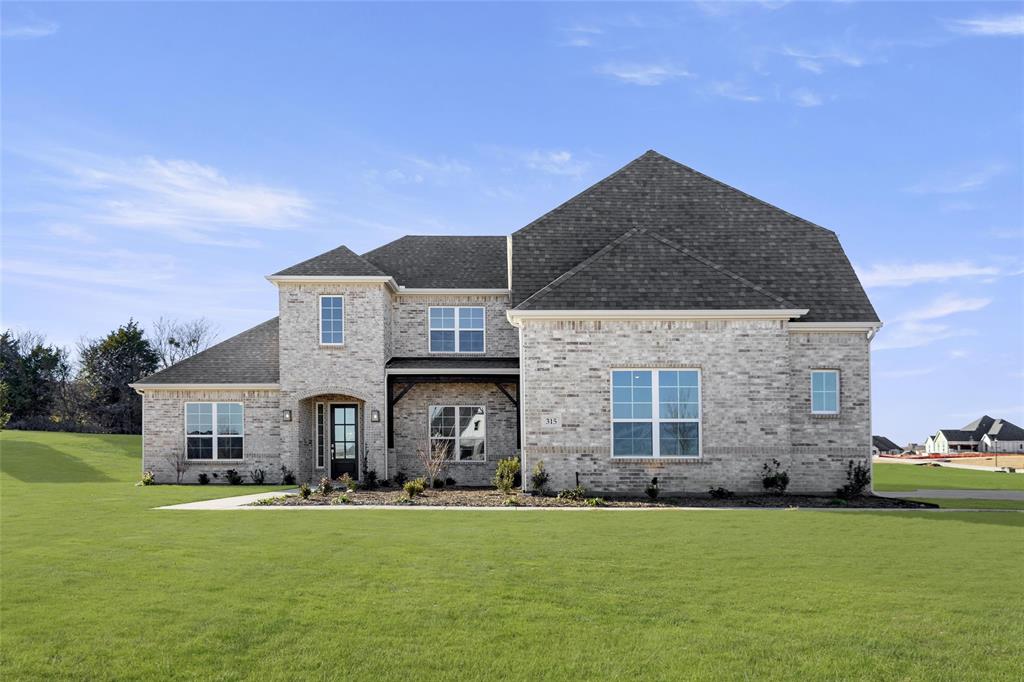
[(490, 497)]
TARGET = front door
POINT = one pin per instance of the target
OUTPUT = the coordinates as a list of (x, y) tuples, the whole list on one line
[(344, 439)]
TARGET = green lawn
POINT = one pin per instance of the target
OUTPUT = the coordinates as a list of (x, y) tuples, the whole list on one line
[(897, 477), (973, 504), (94, 584)]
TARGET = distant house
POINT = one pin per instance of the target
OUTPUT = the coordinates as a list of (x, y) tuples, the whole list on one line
[(880, 445), (984, 434)]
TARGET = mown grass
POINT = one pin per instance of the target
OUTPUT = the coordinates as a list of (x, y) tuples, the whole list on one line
[(946, 503), (95, 584), (898, 477)]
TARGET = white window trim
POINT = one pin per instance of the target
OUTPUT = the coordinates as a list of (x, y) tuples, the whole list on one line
[(319, 436), (456, 329), (656, 420), (839, 393), (214, 435), (320, 314), (457, 437)]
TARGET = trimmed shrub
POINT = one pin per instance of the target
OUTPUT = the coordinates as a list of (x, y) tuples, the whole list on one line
[(438, 483), (258, 476), (370, 479), (652, 489), (325, 486), (858, 478), (305, 491), (449, 481), (401, 478), (505, 475), (204, 478), (773, 478), (577, 494), (287, 476), (539, 477), (234, 478), (511, 502), (147, 478), (414, 488), (341, 499), (596, 502), (721, 493)]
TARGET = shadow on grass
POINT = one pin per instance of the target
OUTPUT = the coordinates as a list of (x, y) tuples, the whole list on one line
[(988, 517), (36, 463)]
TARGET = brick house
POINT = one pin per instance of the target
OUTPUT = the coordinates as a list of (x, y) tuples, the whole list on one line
[(659, 324)]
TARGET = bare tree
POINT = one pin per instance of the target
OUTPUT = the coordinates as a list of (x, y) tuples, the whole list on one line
[(180, 461), (434, 458), (175, 340)]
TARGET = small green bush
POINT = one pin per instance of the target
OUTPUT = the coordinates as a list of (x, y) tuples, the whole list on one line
[(652, 489), (325, 486), (268, 501), (346, 482), (858, 478), (505, 475), (720, 493), (511, 502), (258, 476), (204, 478), (539, 477), (305, 491), (341, 499), (370, 479), (147, 478), (596, 502), (234, 478), (577, 494), (773, 478), (287, 476), (414, 488)]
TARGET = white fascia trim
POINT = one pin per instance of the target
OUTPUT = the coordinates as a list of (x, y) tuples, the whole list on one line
[(143, 386), (517, 316), (452, 370), (869, 328), (452, 292), (327, 279)]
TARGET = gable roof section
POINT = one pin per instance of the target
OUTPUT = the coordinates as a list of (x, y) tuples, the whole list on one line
[(884, 444), (341, 261), (1004, 430), (247, 358), (444, 262), (957, 434), (766, 246), (641, 270), (979, 427)]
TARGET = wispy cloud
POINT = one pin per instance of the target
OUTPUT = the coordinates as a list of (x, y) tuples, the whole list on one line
[(945, 306), (643, 74), (73, 232), (810, 65), (957, 183), (1009, 25), (581, 35), (185, 200), (918, 327), (909, 274), (906, 373), (803, 97), (555, 162), (35, 29), (734, 91), (814, 61)]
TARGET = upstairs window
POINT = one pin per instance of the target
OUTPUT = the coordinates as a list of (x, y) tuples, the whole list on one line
[(656, 413), (213, 430), (456, 330), (332, 320), (825, 391)]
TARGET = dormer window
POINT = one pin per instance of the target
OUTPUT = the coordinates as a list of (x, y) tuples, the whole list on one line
[(332, 320), (456, 329)]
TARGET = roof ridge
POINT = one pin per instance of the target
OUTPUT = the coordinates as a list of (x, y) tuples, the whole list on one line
[(726, 185), (721, 268), (340, 247), (215, 346), (597, 255)]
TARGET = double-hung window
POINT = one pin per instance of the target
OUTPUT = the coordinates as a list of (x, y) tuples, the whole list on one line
[(332, 320), (213, 430), (825, 391), (456, 329), (460, 431), (656, 413)]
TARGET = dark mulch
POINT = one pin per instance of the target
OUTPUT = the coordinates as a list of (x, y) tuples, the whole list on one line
[(489, 497)]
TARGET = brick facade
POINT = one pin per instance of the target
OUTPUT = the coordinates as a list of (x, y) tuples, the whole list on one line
[(410, 324)]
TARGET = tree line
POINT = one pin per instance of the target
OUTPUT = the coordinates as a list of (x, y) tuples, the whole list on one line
[(46, 387)]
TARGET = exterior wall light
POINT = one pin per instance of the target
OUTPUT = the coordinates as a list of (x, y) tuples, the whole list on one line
[(375, 415), (286, 415)]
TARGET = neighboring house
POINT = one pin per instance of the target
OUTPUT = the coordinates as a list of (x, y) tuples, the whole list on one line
[(659, 324), (984, 434), (880, 445), (914, 449)]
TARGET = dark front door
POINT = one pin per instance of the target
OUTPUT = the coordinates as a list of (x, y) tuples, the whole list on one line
[(344, 439)]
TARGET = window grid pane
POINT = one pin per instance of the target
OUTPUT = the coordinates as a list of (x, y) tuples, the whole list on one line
[(456, 330), (332, 319), (460, 430), (825, 391), (668, 428)]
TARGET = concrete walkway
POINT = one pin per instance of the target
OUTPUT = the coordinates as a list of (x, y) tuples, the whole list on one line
[(237, 502), (948, 494)]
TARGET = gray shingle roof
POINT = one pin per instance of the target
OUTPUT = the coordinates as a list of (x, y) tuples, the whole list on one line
[(787, 256), (641, 270), (339, 261), (247, 358), (884, 444), (956, 434), (442, 262)]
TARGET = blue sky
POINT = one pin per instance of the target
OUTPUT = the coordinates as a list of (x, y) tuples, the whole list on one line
[(159, 160)]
